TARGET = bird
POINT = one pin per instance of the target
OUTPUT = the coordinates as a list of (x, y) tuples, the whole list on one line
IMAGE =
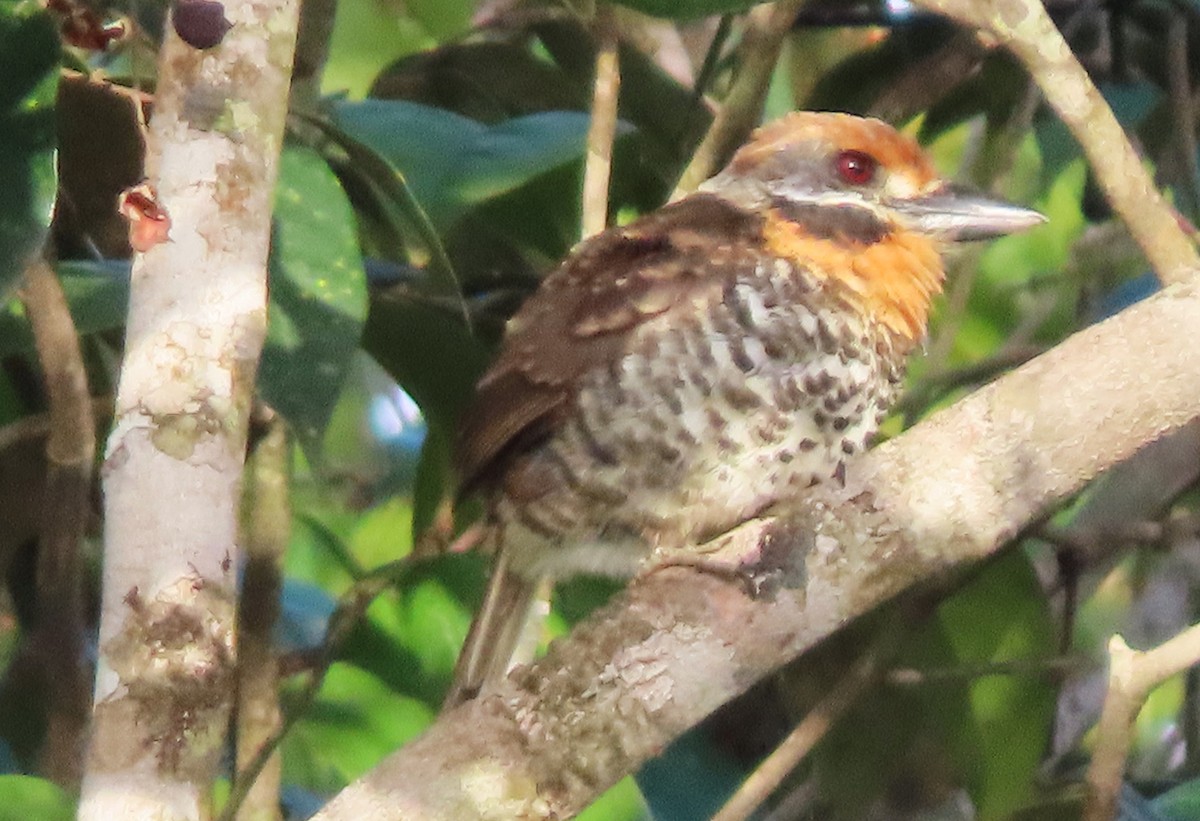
[(688, 371)]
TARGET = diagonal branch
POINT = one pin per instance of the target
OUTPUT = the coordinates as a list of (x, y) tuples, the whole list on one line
[(1132, 675), (1025, 29), (680, 642), (766, 29)]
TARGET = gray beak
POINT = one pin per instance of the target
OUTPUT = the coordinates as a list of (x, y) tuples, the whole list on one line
[(960, 214)]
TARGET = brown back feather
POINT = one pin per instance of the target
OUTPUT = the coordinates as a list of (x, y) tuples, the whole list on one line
[(583, 315)]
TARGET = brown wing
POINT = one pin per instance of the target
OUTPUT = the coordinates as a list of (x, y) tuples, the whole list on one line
[(582, 316)]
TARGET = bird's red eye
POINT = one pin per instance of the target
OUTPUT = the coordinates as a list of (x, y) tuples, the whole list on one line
[(856, 167)]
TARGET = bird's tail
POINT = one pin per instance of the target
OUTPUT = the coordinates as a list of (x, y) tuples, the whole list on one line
[(494, 634)]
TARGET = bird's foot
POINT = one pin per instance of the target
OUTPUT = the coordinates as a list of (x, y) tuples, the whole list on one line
[(736, 556)]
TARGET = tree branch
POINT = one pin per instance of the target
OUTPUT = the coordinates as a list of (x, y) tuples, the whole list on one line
[(680, 642), (195, 329), (268, 523), (845, 693), (1025, 29), (66, 509), (605, 93), (1132, 676), (350, 610), (762, 41), (312, 51)]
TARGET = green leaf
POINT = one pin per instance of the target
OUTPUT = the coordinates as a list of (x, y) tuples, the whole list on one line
[(1058, 148), (318, 295), (442, 18), (29, 60), (540, 220), (1002, 615), (317, 552), (875, 747), (434, 480), (23, 797), (621, 802), (487, 81), (428, 350), (410, 638), (1015, 260), (1130, 102), (453, 163), (389, 201), (355, 721), (995, 89), (381, 534), (986, 733), (514, 152), (97, 293), (1180, 803), (856, 82), (368, 35)]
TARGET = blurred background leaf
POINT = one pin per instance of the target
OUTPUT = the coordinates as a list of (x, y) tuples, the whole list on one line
[(318, 295), (29, 62)]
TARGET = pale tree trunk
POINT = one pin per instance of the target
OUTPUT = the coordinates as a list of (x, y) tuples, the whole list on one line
[(174, 460)]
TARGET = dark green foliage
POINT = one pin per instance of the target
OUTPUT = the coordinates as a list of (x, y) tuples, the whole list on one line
[(29, 62), (410, 223)]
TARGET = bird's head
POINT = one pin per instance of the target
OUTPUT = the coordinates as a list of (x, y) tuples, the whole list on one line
[(866, 169), (862, 205)]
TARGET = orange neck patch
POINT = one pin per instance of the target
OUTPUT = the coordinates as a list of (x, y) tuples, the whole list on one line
[(893, 280)]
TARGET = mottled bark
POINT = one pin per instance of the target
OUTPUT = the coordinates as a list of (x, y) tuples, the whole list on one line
[(172, 472)]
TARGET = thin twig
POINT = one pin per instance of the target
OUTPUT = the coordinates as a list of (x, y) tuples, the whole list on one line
[(759, 52), (603, 128), (27, 427), (1183, 110), (767, 777), (1053, 668), (1090, 543), (350, 610), (712, 58), (267, 528), (312, 52), (37, 425), (1132, 675), (836, 702), (70, 451)]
